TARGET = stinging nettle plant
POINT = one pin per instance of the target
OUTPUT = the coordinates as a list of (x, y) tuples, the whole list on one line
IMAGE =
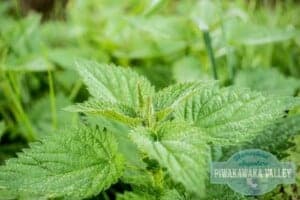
[(161, 146)]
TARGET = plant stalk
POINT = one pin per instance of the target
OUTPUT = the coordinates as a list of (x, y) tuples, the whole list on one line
[(208, 45)]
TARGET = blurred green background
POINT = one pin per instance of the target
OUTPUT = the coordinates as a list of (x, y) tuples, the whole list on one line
[(250, 43)]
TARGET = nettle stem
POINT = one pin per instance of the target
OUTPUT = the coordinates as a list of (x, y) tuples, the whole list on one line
[(208, 45), (230, 57)]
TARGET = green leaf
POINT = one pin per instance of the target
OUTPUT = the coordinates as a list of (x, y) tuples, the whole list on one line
[(75, 163), (135, 172), (40, 115), (64, 57), (166, 195), (267, 80), (168, 99), (7, 195), (153, 6), (172, 194), (233, 115), (30, 63), (252, 34), (114, 84), (158, 75), (224, 192), (189, 69), (266, 35), (118, 112), (206, 14), (294, 155), (138, 177), (276, 138), (149, 37), (180, 149), (135, 196)]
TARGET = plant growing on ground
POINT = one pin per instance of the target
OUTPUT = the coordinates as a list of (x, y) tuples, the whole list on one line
[(161, 147)]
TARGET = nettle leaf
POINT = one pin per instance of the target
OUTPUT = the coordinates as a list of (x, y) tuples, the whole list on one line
[(41, 115), (276, 138), (167, 100), (138, 176), (30, 63), (217, 191), (240, 32), (135, 196), (135, 172), (115, 111), (189, 69), (172, 194), (166, 195), (267, 80), (114, 84), (180, 149), (232, 115), (76, 164)]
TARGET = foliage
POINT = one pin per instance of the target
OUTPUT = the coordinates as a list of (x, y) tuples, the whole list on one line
[(147, 125), (80, 163)]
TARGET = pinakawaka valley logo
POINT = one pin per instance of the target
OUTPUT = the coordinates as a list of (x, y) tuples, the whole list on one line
[(252, 172)]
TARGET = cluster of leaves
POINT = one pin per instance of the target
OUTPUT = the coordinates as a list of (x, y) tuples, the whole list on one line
[(130, 141), (166, 150)]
